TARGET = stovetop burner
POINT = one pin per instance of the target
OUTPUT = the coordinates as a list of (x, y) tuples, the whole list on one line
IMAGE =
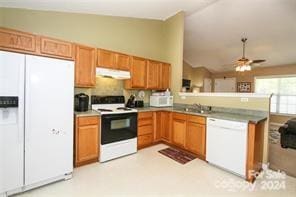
[(106, 110), (110, 105), (124, 108)]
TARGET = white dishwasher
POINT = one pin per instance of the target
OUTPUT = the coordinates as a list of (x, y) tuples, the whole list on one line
[(226, 145)]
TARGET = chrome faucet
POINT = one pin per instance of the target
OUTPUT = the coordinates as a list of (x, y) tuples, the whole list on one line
[(197, 106)]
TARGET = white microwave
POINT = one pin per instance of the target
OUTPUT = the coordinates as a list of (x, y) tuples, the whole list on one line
[(161, 101)]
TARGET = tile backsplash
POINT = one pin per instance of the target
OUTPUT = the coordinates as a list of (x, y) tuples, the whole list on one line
[(108, 86)]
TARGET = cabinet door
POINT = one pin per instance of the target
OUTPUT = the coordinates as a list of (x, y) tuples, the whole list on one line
[(165, 130), (123, 61), (153, 74), (17, 41), (195, 138), (138, 72), (165, 76), (56, 48), (157, 126), (86, 140), (106, 59), (145, 140), (179, 129), (49, 137), (85, 68)]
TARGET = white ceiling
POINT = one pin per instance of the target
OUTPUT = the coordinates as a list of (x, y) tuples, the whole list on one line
[(212, 35), (151, 9), (213, 28)]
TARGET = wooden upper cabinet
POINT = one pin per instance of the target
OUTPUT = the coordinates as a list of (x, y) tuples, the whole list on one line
[(56, 48), (17, 41), (138, 73), (123, 61), (106, 59), (165, 76), (85, 66), (179, 129), (153, 74), (196, 138)]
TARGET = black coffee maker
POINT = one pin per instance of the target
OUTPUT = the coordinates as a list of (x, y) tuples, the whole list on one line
[(81, 102)]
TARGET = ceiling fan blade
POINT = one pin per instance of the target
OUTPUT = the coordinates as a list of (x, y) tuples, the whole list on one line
[(257, 61)]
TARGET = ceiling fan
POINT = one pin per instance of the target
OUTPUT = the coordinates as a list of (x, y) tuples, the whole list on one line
[(245, 64)]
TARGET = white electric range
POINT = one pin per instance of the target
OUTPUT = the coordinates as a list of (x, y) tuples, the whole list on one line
[(118, 127)]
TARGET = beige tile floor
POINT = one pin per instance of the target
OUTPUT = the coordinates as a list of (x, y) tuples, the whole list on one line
[(149, 173)]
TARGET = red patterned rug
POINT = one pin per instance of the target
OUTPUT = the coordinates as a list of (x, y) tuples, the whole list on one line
[(177, 155)]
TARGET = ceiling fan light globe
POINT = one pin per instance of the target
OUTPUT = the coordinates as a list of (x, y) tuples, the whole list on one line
[(248, 68), (237, 68)]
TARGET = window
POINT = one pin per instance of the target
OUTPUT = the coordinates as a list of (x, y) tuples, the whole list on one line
[(283, 88)]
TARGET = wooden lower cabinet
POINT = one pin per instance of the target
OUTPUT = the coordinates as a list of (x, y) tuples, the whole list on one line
[(165, 126), (87, 136), (145, 129), (255, 149), (145, 140), (196, 138), (179, 129)]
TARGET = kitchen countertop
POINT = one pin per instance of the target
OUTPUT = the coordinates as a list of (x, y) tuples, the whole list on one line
[(87, 113), (220, 115)]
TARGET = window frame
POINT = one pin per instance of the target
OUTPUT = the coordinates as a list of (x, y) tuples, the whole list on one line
[(274, 94)]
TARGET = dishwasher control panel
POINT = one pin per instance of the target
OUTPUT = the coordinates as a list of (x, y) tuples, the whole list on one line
[(227, 124)]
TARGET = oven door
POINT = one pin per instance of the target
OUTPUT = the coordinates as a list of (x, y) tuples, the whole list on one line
[(118, 127)]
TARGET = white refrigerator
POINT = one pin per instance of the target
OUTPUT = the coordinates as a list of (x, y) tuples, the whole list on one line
[(36, 121)]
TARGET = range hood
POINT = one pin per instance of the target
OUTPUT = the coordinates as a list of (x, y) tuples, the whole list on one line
[(111, 73)]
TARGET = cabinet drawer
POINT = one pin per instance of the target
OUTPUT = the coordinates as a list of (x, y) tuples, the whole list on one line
[(146, 129), (145, 121), (145, 140), (82, 121), (196, 119), (145, 115), (179, 116)]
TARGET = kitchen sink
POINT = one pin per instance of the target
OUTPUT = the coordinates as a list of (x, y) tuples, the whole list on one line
[(198, 111)]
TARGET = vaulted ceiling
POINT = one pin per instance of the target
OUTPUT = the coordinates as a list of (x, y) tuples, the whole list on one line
[(213, 34), (213, 28), (151, 9)]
